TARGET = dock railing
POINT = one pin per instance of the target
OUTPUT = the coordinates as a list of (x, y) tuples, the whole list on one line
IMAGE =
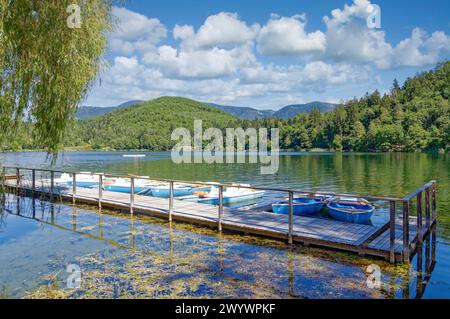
[(42, 181)]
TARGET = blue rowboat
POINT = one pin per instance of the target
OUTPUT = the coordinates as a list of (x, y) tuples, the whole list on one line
[(84, 184), (125, 188), (351, 211), (85, 180), (232, 199), (231, 195), (300, 206), (178, 191)]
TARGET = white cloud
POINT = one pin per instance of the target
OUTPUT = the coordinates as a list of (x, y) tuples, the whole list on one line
[(200, 64), (221, 30), (135, 32), (183, 32), (419, 50), (124, 71), (349, 38), (287, 36)]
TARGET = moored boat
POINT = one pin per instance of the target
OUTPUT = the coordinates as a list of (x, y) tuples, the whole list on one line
[(83, 179), (123, 185), (178, 190), (134, 155), (352, 210), (230, 195), (300, 206)]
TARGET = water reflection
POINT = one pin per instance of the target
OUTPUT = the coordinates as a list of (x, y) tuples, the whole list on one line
[(178, 255)]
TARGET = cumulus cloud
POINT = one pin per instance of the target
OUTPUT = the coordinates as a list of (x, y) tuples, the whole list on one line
[(349, 38), (211, 63), (287, 36), (419, 50), (183, 32), (135, 32), (221, 30)]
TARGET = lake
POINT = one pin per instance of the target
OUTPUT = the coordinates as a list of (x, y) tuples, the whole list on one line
[(123, 256)]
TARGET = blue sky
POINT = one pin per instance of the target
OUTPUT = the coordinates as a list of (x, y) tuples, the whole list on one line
[(267, 54)]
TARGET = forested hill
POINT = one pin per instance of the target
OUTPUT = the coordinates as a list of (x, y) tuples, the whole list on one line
[(147, 125), (412, 117)]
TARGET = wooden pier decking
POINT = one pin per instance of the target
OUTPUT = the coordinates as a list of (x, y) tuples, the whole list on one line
[(385, 241)]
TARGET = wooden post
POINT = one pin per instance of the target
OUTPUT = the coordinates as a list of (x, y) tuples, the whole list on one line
[(52, 183), (3, 176), (433, 203), (427, 208), (392, 231), (291, 217), (33, 180), (419, 218), (220, 207), (100, 190), (74, 187), (170, 201), (131, 195), (406, 231), (18, 177)]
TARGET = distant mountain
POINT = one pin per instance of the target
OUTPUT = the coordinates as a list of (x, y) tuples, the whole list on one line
[(244, 113), (86, 112), (290, 111), (241, 112)]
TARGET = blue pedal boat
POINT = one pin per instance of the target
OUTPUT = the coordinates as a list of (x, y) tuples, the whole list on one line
[(178, 191), (125, 188), (300, 206), (357, 211), (231, 195), (84, 184)]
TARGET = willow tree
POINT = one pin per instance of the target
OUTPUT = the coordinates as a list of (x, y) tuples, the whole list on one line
[(50, 55)]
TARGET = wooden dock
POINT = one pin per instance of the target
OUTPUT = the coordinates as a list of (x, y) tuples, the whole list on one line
[(397, 240)]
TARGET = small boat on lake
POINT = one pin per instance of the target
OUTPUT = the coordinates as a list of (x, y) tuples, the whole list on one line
[(123, 185), (134, 155), (230, 195), (352, 210), (83, 179), (300, 206), (178, 190)]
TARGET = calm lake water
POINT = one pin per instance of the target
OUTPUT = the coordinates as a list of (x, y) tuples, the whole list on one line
[(123, 256)]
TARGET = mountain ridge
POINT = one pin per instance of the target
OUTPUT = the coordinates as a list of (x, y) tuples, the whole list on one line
[(241, 112)]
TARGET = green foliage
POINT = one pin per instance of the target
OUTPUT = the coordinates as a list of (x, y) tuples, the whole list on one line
[(415, 117), (147, 125), (46, 67)]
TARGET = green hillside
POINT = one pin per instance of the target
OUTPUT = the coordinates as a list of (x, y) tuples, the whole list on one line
[(145, 126), (412, 117)]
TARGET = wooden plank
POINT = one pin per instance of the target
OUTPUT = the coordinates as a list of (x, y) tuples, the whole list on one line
[(405, 231), (419, 217), (375, 234), (392, 232), (291, 216), (433, 203), (419, 190)]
